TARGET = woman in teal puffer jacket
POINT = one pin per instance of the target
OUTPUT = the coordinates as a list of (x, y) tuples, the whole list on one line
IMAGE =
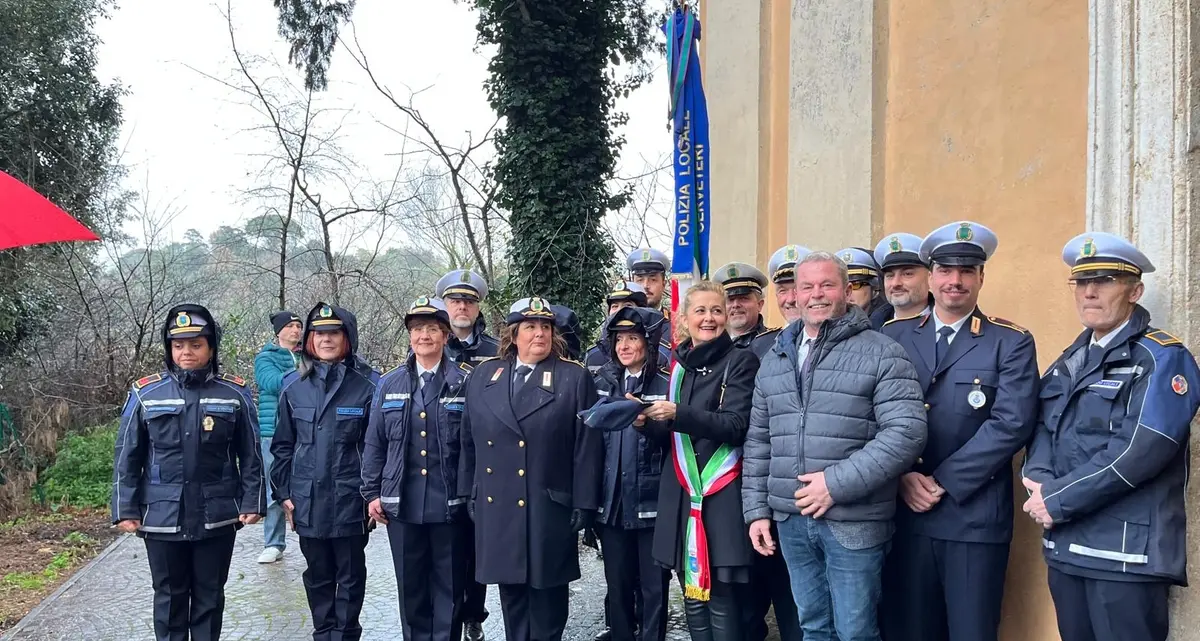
[(272, 364)]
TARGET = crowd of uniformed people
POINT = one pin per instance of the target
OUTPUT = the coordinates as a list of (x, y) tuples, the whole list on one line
[(851, 471)]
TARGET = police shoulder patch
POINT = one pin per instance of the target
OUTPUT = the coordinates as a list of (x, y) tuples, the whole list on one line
[(1000, 322), (236, 380), (1166, 339), (146, 380)]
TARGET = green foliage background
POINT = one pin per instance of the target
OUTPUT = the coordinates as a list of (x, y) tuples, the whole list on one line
[(82, 473)]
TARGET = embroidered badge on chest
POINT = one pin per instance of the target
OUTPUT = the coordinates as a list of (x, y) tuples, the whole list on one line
[(1179, 384), (208, 423)]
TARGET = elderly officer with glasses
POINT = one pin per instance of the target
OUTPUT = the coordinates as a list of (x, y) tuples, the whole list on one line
[(1108, 465)]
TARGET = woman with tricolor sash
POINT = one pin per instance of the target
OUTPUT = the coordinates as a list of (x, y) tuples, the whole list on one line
[(700, 532)]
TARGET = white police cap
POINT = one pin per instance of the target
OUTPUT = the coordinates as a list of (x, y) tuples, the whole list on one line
[(646, 260), (462, 283), (627, 290), (860, 264), (740, 278), (1096, 254), (532, 308), (962, 243), (899, 250), (782, 266)]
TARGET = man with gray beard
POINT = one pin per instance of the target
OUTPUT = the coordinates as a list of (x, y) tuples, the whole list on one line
[(905, 275), (462, 290)]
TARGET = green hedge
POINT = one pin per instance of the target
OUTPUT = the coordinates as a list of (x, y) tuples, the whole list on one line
[(81, 475)]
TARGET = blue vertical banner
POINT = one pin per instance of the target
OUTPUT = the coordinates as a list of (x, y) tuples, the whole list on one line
[(689, 132)]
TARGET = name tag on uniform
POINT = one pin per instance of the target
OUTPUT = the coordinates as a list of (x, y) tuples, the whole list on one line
[(351, 411), (1108, 384)]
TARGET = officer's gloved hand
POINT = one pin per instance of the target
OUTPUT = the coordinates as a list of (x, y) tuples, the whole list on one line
[(581, 519), (471, 508)]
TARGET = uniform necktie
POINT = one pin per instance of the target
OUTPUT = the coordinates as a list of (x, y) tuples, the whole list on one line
[(426, 386), (631, 383), (943, 343), (1094, 357), (519, 377)]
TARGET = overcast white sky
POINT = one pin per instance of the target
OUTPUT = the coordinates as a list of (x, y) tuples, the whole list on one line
[(184, 135)]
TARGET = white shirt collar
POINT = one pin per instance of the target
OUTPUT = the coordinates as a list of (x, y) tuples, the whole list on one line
[(1108, 338), (521, 363), (956, 325), (629, 373), (422, 370)]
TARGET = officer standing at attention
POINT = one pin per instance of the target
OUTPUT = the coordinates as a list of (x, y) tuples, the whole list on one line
[(1108, 466), (462, 290), (175, 481), (624, 294), (744, 285), (866, 291), (533, 470), (944, 576), (410, 476), (648, 268), (317, 471), (905, 275), (782, 271)]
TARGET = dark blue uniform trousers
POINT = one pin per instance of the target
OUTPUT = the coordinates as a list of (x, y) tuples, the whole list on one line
[(431, 576), (336, 584), (533, 614), (630, 571), (770, 585), (1099, 610), (189, 586), (475, 603), (939, 590)]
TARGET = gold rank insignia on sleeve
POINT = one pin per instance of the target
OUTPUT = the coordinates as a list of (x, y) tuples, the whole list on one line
[(236, 380)]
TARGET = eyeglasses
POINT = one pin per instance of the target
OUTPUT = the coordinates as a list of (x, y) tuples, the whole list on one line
[(855, 286), (1101, 282)]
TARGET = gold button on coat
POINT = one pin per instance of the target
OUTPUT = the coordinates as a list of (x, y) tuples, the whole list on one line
[(489, 470), (424, 471), (422, 414), (977, 381), (423, 453), (920, 461), (422, 433), (520, 443), (490, 499), (489, 443), (520, 472), (927, 406), (520, 502)]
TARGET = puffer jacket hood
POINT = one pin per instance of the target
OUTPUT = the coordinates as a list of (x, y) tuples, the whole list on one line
[(214, 340), (349, 325), (652, 323)]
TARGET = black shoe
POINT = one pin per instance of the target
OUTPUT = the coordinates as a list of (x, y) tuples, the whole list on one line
[(604, 635), (473, 631)]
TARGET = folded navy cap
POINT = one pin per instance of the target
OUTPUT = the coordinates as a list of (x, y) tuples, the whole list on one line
[(612, 414)]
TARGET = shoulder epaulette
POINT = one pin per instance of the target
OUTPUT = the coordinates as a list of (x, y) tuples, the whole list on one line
[(906, 318), (236, 380), (571, 360), (767, 331), (464, 367), (1166, 339), (1007, 324), (146, 380)]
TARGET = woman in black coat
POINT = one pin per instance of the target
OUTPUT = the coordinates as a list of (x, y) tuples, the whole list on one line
[(712, 384), (532, 470)]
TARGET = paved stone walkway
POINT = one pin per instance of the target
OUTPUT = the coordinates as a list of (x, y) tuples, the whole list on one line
[(110, 600)]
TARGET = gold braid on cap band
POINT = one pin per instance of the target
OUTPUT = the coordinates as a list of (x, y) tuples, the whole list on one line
[(326, 321), (1116, 267), (460, 290), (190, 328), (861, 271), (625, 323), (743, 282), (783, 271)]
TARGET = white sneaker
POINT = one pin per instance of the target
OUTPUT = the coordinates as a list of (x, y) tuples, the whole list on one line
[(270, 555)]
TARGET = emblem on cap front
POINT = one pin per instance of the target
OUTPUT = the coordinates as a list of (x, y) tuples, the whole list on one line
[(733, 271), (183, 320), (536, 304), (1089, 248), (645, 254), (420, 302), (465, 278), (964, 233), (894, 244), (326, 312), (790, 253), (848, 257), (1179, 384)]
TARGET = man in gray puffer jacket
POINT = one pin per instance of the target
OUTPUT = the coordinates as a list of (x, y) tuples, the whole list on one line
[(826, 446)]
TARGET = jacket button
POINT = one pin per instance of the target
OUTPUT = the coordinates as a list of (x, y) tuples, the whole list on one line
[(933, 380), (520, 472), (977, 381), (422, 433), (489, 443), (520, 443), (424, 453), (422, 414), (520, 502), (927, 406), (489, 470), (920, 461), (424, 471), (490, 499)]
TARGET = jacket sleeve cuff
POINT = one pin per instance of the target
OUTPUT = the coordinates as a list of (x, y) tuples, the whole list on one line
[(757, 514)]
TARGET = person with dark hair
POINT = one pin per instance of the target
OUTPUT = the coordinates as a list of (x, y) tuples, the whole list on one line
[(634, 454), (866, 289), (188, 474), (410, 476), (532, 470), (317, 471), (624, 294), (273, 363)]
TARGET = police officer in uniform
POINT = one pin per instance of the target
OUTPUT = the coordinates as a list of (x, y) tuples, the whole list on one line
[(633, 462), (462, 290), (769, 582), (648, 268), (744, 285), (317, 471), (1108, 466), (865, 289), (944, 576), (175, 481), (905, 275), (781, 269), (624, 294), (533, 470), (410, 476)]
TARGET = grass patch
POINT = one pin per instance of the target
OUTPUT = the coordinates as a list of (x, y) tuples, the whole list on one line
[(82, 472)]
